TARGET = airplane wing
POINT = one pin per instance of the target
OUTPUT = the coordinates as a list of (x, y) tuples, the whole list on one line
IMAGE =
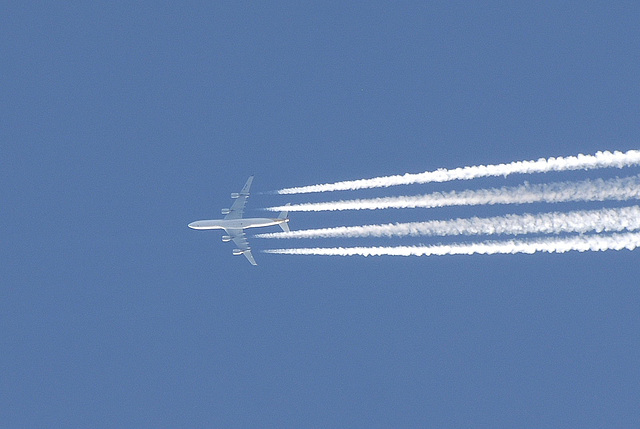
[(242, 244), (237, 209)]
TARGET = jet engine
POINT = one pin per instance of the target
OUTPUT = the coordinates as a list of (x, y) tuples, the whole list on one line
[(226, 238), (235, 195), (225, 211), (237, 252)]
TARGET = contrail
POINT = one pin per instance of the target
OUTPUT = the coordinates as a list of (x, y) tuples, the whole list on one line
[(604, 220), (587, 190), (579, 162), (581, 243)]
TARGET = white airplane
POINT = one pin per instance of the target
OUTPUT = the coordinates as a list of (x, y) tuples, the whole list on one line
[(234, 224)]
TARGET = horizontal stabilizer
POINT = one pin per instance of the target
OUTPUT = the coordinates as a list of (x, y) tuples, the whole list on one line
[(284, 215)]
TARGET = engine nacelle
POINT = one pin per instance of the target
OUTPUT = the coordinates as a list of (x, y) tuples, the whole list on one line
[(235, 195), (237, 252), (225, 211), (226, 238)]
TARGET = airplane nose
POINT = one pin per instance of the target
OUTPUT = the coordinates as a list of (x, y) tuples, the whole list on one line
[(192, 225)]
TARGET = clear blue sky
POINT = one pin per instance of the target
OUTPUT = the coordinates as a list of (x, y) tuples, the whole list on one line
[(122, 122)]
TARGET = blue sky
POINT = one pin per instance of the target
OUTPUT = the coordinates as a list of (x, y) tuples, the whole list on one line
[(122, 123)]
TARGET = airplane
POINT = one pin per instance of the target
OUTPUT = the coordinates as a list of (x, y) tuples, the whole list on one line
[(234, 224)]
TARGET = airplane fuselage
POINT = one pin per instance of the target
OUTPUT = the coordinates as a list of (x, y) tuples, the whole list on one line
[(243, 223)]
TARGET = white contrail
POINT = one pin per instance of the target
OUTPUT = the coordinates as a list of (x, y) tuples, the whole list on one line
[(581, 243), (604, 220), (587, 190), (579, 162)]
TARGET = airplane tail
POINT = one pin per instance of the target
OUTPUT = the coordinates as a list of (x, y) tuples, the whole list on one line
[(284, 215)]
